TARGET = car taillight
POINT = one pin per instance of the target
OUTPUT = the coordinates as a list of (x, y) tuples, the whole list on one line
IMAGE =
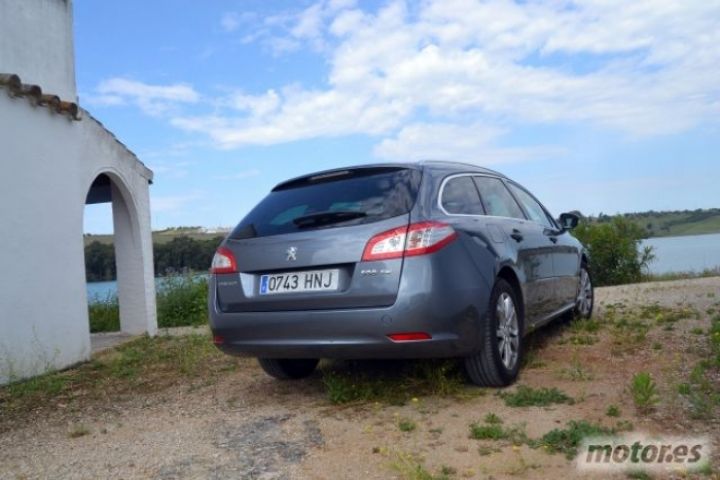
[(417, 239), (223, 261)]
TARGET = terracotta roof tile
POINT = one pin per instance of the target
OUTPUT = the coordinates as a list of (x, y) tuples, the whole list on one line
[(34, 94)]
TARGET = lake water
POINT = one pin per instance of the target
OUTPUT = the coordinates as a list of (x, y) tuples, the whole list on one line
[(685, 254), (102, 290), (673, 254)]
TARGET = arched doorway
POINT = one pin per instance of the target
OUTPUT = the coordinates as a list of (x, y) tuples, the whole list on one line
[(133, 264)]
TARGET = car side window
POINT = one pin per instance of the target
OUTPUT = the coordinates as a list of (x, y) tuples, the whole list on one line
[(534, 210), (497, 199), (459, 196)]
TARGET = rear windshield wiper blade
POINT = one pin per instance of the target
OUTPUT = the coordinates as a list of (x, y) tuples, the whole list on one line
[(327, 218)]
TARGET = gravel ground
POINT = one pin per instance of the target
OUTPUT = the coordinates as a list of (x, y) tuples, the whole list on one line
[(248, 426)]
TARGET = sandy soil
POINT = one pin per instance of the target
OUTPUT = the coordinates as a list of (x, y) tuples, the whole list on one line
[(247, 425)]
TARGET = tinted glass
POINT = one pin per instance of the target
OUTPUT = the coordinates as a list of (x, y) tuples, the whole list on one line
[(497, 199), (459, 195), (378, 193), (532, 207)]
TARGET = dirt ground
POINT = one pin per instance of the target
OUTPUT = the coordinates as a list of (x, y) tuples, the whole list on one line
[(247, 425)]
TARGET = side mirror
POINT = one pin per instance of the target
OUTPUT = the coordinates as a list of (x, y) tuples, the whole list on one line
[(568, 221)]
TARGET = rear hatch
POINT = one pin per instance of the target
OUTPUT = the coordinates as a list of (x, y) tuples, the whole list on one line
[(301, 247)]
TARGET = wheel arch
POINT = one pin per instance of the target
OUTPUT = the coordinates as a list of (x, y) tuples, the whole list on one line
[(509, 275)]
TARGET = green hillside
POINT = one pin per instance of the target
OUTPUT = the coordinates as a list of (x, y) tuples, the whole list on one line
[(673, 224), (165, 236)]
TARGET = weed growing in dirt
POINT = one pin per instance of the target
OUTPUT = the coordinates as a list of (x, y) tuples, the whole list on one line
[(78, 431), (525, 396), (576, 372), (406, 425), (495, 431), (568, 439), (644, 391), (487, 432), (613, 411), (492, 419), (409, 467)]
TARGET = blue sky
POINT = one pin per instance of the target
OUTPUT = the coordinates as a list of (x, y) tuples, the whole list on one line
[(601, 106)]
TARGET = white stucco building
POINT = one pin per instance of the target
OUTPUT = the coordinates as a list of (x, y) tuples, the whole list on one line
[(54, 158)]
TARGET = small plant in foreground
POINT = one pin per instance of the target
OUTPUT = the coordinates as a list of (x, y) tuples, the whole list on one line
[(568, 439), (78, 431), (613, 411), (410, 468), (406, 425), (493, 419), (487, 432), (576, 372), (644, 391), (525, 396), (495, 431)]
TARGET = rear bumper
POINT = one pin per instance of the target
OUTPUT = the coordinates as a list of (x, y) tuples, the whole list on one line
[(438, 295), (345, 334)]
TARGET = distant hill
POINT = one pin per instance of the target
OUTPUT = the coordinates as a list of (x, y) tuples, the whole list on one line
[(167, 235), (672, 224), (656, 224)]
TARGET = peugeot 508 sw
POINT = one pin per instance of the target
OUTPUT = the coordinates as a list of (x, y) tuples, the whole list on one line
[(429, 259)]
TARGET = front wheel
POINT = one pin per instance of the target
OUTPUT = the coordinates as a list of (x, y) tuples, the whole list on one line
[(498, 363), (586, 294), (288, 369)]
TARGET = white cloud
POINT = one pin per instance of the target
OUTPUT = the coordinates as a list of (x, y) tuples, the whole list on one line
[(648, 67), (473, 143), (152, 99), (230, 21)]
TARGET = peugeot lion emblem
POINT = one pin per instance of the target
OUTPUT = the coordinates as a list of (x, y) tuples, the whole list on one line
[(291, 254)]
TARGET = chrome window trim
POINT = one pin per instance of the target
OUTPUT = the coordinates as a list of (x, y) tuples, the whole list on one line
[(547, 213), (465, 174)]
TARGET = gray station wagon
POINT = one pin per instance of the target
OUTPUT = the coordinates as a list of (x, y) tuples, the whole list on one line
[(418, 260)]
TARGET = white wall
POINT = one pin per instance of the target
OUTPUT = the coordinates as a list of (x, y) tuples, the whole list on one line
[(36, 43), (47, 165)]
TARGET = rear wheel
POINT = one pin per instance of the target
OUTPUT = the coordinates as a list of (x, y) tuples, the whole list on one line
[(498, 363), (288, 369), (586, 294)]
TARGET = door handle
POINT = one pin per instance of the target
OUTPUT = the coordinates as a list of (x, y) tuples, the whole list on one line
[(553, 239), (516, 235)]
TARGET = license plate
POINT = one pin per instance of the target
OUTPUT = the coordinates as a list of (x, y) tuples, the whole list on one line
[(310, 281)]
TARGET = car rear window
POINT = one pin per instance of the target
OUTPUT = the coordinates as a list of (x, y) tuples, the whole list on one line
[(373, 193)]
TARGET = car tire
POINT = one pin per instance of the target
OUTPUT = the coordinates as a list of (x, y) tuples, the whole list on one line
[(492, 367), (586, 294), (288, 369)]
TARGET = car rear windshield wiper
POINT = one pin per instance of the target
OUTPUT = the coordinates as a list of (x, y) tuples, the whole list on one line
[(327, 218)]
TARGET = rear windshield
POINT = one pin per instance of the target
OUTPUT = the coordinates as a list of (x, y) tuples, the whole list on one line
[(348, 198)]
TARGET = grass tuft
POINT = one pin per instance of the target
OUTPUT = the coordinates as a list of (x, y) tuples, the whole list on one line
[(644, 391), (567, 440), (525, 396)]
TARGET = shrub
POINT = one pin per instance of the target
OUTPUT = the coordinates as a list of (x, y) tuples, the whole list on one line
[(644, 391), (104, 314), (182, 301), (615, 257)]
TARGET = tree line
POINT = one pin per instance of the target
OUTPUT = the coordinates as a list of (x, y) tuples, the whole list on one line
[(180, 254)]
